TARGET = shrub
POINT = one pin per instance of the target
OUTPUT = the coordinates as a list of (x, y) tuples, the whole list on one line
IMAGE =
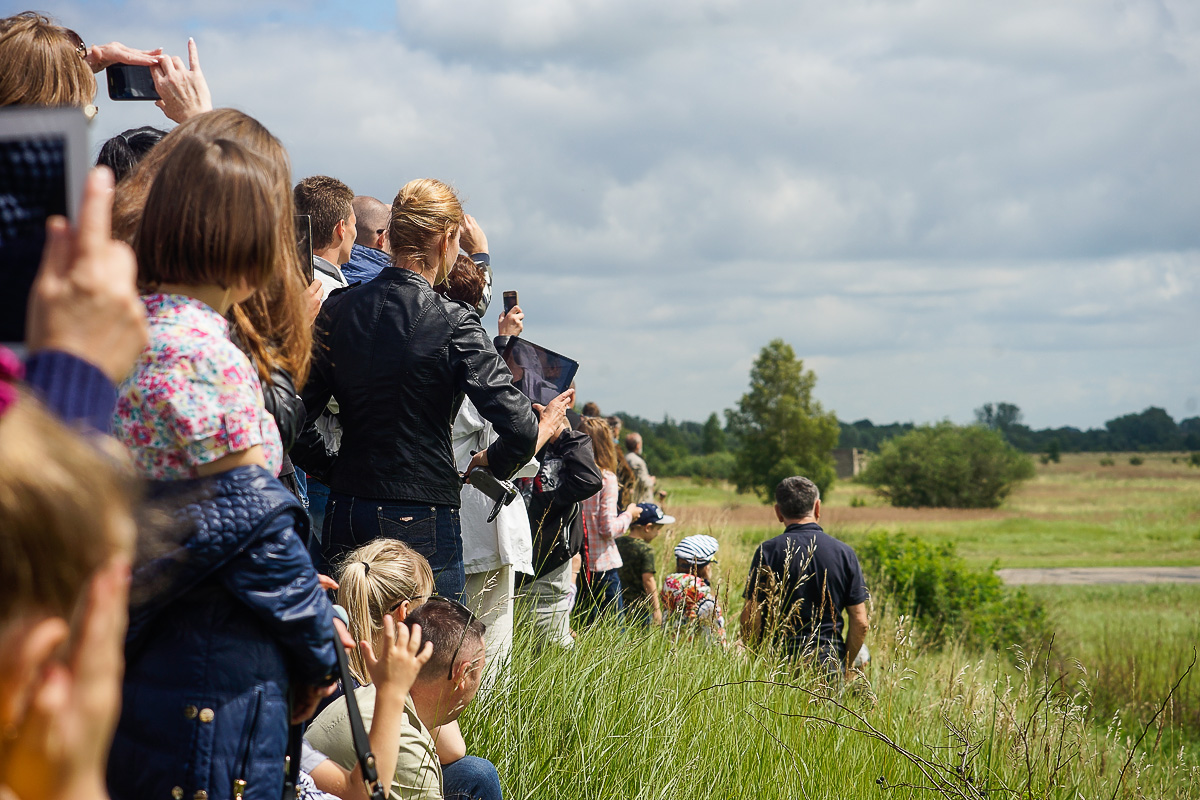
[(949, 466), (1107, 462), (1137, 461), (1194, 460), (714, 466), (950, 601)]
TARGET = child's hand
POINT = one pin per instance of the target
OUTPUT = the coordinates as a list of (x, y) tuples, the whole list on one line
[(400, 657)]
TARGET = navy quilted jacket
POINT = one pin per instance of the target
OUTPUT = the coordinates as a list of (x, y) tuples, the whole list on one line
[(224, 616)]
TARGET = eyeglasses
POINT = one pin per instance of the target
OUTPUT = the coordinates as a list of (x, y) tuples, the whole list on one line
[(470, 620)]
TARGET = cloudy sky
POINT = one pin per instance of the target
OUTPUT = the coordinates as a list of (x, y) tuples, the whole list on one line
[(937, 203)]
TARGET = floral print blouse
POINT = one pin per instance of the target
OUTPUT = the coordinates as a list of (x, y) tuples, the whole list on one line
[(690, 604), (193, 396)]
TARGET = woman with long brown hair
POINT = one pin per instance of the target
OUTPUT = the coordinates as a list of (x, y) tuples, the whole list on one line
[(230, 633), (601, 583)]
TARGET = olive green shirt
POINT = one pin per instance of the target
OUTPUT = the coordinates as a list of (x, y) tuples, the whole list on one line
[(418, 771)]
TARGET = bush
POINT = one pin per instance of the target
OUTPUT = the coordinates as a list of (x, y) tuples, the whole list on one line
[(1107, 462), (714, 466), (948, 466), (951, 602), (1194, 460), (1137, 461)]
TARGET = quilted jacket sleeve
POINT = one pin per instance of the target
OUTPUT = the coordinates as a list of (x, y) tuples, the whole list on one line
[(275, 578)]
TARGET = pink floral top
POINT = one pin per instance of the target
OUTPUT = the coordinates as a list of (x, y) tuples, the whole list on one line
[(193, 396)]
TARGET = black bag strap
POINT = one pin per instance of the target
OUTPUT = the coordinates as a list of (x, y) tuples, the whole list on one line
[(358, 732)]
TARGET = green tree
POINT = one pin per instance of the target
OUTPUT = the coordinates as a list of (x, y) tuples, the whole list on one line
[(947, 466), (713, 436), (782, 431)]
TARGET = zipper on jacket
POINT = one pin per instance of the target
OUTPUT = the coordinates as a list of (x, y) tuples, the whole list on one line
[(251, 727)]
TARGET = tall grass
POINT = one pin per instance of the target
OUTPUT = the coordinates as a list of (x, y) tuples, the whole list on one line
[(632, 714)]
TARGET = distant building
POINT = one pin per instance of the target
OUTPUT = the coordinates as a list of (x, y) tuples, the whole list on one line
[(849, 461)]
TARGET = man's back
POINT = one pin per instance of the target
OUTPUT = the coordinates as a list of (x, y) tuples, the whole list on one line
[(803, 580)]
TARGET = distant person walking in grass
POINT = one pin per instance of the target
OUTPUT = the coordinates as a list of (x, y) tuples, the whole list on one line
[(689, 600), (639, 588), (644, 482), (800, 584)]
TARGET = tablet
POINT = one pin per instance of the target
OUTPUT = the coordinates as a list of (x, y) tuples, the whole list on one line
[(43, 164), (540, 374)]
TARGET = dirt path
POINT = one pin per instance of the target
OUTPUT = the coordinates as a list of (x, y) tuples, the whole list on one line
[(1086, 575)]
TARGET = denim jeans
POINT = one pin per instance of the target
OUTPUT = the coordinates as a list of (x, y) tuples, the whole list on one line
[(471, 778), (602, 594), (433, 531)]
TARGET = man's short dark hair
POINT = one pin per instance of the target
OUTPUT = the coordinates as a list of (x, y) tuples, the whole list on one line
[(328, 201), (796, 497), (451, 628)]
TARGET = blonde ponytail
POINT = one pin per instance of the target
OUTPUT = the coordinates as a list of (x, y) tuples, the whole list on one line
[(373, 579), (423, 211)]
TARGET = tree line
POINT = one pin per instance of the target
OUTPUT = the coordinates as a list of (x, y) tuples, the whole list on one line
[(707, 449)]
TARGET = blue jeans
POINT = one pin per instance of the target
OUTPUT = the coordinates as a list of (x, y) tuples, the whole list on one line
[(600, 595), (433, 531), (471, 778)]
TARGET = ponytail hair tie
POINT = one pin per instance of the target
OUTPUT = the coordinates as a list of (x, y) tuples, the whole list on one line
[(11, 371), (366, 568)]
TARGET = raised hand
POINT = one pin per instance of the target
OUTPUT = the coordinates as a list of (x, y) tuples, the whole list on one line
[(84, 300), (400, 659), (472, 239), (183, 93), (103, 56)]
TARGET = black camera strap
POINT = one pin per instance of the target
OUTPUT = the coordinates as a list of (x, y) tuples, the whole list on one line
[(358, 732)]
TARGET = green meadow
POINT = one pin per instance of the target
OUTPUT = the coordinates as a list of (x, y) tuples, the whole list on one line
[(632, 714)]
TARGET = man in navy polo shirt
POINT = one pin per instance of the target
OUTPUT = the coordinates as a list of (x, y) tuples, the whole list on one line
[(800, 584)]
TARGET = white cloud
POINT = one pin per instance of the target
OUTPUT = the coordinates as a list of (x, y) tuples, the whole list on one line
[(937, 203)]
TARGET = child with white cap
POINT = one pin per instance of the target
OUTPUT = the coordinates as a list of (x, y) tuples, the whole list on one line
[(689, 601)]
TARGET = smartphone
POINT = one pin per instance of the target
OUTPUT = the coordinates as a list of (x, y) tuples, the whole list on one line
[(510, 301), (130, 82), (304, 246), (43, 164)]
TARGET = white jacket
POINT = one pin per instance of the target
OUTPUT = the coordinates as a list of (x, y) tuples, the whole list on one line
[(507, 539)]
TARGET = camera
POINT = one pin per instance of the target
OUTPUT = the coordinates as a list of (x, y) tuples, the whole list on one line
[(503, 492)]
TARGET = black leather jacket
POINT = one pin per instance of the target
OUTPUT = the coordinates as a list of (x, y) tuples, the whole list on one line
[(398, 357)]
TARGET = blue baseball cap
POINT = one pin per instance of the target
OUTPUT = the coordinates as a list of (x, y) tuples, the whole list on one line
[(652, 515)]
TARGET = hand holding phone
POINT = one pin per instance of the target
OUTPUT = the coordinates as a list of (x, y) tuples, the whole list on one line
[(130, 82), (510, 301)]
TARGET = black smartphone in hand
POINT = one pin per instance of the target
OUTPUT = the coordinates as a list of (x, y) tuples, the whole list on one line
[(510, 301), (130, 82)]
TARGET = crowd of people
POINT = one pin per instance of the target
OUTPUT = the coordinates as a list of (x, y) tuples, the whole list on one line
[(290, 427)]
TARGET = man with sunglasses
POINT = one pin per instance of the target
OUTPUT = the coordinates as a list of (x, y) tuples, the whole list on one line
[(446, 685)]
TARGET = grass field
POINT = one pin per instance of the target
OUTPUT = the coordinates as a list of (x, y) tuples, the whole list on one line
[(630, 714), (1073, 514)]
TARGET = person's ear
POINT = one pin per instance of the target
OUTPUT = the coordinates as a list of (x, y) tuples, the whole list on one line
[(381, 242), (401, 612), (27, 653), (778, 513), (817, 510)]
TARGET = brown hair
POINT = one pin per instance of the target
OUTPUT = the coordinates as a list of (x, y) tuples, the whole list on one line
[(423, 210), (273, 324), (464, 283), (328, 201), (208, 218), (64, 511), (41, 64), (602, 443), (591, 410), (373, 579)]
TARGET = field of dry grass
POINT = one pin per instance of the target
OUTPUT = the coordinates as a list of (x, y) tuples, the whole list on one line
[(1072, 514)]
